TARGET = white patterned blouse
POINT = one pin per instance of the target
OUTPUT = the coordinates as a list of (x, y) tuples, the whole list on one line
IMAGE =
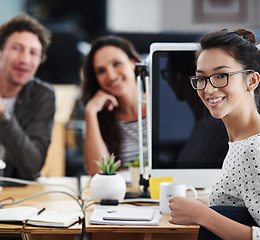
[(239, 184)]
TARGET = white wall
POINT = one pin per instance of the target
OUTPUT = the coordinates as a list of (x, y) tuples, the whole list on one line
[(170, 15), (134, 15), (9, 8)]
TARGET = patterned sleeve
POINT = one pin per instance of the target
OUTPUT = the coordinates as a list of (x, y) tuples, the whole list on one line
[(251, 184), (255, 233)]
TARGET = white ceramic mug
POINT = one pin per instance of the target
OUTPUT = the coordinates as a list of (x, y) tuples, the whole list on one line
[(170, 189)]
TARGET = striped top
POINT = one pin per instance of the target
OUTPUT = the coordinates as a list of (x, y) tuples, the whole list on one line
[(130, 141)]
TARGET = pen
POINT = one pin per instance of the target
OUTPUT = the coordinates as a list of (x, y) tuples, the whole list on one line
[(41, 211)]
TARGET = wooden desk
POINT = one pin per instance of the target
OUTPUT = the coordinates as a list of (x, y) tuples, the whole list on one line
[(62, 202)]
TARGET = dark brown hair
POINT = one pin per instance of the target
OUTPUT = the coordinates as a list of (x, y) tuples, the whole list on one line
[(23, 22), (240, 44)]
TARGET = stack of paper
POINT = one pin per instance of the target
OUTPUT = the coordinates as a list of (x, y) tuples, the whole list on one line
[(125, 215)]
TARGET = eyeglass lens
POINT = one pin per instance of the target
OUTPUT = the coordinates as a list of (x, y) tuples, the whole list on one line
[(217, 80)]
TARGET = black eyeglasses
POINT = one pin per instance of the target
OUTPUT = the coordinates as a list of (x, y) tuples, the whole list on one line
[(217, 80)]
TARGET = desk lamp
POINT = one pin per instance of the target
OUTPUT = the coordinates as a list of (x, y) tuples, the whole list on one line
[(142, 77)]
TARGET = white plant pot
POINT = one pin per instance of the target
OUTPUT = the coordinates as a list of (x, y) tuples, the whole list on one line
[(112, 187)]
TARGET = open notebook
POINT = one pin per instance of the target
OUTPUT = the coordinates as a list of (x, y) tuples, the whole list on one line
[(46, 218)]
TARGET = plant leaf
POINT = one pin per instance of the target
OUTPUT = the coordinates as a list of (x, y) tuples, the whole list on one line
[(101, 166), (108, 169), (115, 166), (108, 165), (110, 160)]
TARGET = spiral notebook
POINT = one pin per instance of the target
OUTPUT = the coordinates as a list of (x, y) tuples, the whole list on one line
[(37, 217)]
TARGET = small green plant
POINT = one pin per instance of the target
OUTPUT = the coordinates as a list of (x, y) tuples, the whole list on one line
[(136, 162), (108, 166)]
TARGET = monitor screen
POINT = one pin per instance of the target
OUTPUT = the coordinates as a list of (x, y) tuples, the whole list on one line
[(184, 134)]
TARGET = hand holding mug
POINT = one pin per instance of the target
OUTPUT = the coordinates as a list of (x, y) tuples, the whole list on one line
[(170, 189), (187, 210)]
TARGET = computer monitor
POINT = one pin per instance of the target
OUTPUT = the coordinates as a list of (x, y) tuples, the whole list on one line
[(187, 143)]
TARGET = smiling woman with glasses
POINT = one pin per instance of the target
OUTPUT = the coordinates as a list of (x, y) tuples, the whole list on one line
[(227, 82)]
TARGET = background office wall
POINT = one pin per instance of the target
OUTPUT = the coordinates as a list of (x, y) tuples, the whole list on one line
[(138, 17), (9, 8), (175, 15), (142, 15)]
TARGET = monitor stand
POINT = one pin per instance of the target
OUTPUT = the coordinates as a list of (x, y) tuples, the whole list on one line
[(144, 184), (132, 195)]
